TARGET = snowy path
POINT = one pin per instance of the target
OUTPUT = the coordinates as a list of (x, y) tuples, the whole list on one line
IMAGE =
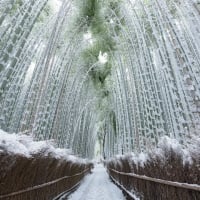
[(97, 186)]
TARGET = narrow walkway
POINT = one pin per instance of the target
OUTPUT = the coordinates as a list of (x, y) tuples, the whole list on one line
[(97, 186)]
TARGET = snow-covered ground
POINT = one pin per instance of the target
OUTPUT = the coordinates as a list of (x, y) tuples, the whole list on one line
[(97, 186)]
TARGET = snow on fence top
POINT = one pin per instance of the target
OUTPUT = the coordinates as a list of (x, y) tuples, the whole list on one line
[(165, 144), (25, 145)]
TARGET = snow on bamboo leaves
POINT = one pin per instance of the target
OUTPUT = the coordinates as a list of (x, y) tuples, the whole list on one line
[(99, 18)]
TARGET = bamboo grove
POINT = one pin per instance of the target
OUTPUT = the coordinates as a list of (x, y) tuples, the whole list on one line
[(123, 73)]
